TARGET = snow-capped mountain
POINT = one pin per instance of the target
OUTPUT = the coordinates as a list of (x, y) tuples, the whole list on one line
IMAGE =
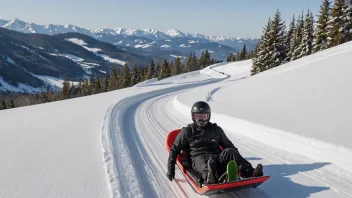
[(149, 33), (21, 26)]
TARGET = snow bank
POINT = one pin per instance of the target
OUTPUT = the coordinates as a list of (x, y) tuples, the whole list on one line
[(302, 106), (283, 140)]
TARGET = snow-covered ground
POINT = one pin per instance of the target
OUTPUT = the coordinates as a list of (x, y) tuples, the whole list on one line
[(4, 86), (113, 144), (95, 51)]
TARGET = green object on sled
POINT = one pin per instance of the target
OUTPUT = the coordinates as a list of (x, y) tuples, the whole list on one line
[(232, 171)]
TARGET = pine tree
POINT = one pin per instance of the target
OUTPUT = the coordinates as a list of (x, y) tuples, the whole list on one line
[(289, 40), (195, 62), (98, 87), (106, 81), (65, 92), (207, 58), (157, 70), (346, 28), (334, 25), (277, 42), (307, 40), (176, 69), (12, 104), (113, 81), (91, 85), (125, 76), (3, 104), (189, 63), (298, 38), (140, 71), (165, 70), (80, 89), (150, 71), (44, 97), (202, 62), (261, 58), (243, 53), (230, 57), (135, 76), (120, 81), (320, 33)]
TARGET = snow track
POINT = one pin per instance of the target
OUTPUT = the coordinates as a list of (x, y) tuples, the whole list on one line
[(133, 135), (129, 160)]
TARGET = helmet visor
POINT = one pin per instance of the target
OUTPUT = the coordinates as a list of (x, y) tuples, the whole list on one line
[(201, 116)]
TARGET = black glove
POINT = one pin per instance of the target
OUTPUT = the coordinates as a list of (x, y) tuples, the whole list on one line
[(171, 174)]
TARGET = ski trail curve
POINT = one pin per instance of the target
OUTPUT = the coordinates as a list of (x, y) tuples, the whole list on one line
[(128, 166), (133, 138), (292, 175)]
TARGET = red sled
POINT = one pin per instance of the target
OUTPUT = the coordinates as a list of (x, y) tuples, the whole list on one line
[(196, 180)]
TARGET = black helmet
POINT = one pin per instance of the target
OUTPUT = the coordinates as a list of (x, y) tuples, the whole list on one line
[(201, 107)]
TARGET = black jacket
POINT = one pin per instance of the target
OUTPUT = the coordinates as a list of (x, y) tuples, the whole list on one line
[(199, 141)]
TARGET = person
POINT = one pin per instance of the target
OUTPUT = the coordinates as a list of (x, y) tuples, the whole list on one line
[(203, 139)]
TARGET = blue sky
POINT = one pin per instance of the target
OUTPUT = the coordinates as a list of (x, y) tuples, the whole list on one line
[(236, 18)]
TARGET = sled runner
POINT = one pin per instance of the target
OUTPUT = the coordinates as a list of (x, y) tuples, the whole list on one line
[(196, 180)]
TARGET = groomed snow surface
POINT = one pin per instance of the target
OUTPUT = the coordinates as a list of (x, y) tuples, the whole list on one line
[(294, 119)]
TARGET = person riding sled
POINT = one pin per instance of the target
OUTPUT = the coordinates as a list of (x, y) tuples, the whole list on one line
[(203, 139)]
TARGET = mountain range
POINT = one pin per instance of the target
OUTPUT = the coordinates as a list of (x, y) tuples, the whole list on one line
[(149, 42), (32, 55)]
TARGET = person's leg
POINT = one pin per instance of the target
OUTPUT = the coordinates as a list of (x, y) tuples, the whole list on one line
[(244, 167), (205, 165), (199, 164)]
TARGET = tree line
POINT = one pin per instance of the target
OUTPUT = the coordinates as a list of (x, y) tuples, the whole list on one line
[(304, 35), (241, 55), (118, 78)]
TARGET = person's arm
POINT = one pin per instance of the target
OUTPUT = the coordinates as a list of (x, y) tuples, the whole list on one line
[(224, 140), (179, 144)]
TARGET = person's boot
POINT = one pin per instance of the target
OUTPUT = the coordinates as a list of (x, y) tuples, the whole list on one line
[(231, 171), (211, 178), (258, 171)]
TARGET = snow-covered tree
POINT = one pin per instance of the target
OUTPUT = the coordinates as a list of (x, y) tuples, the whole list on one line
[(320, 33), (346, 28), (289, 40), (277, 42), (307, 40), (298, 38), (262, 57), (334, 24)]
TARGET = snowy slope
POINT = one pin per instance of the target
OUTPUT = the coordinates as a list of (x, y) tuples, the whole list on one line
[(113, 144), (307, 97)]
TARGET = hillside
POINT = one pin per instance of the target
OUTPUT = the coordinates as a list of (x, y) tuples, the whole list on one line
[(294, 119), (24, 57)]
